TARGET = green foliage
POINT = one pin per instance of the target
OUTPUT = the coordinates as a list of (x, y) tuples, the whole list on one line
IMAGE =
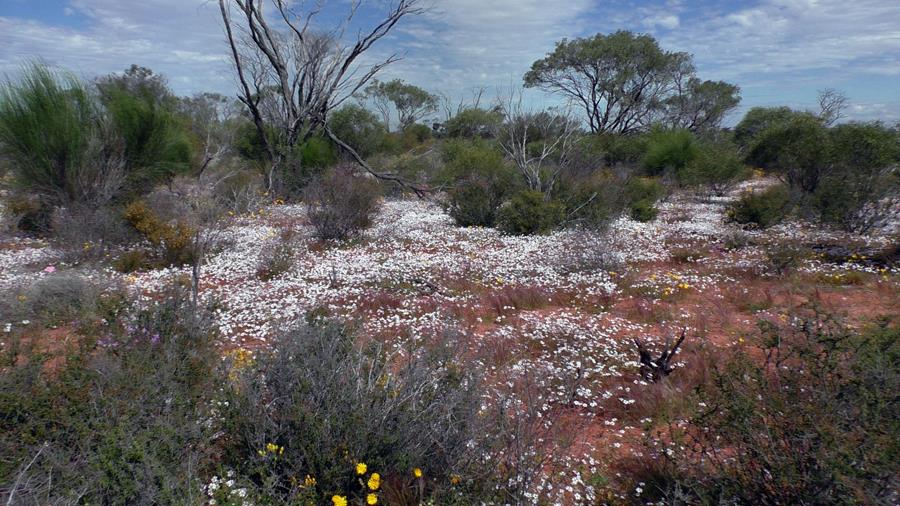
[(761, 208), (853, 193), (157, 144), (641, 193), (529, 212), (796, 149), (717, 165), (669, 151), (758, 120), (479, 181), (341, 204), (331, 403), (592, 201), (643, 211), (473, 123), (115, 418), (51, 137), (701, 105), (410, 101), (815, 423), (359, 128), (626, 74)]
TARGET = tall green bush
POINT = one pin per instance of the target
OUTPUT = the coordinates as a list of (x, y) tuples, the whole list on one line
[(669, 151), (50, 134), (479, 180), (529, 212), (157, 145)]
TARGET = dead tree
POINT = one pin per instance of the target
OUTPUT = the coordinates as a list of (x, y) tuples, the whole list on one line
[(538, 142), (655, 370), (291, 78)]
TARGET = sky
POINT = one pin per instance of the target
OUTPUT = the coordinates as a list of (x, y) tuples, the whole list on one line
[(780, 52)]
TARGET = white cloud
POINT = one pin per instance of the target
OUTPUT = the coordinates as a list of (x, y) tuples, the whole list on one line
[(669, 21)]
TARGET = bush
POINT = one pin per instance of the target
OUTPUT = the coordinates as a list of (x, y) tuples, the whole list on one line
[(816, 423), (276, 256), (479, 181), (51, 134), (317, 404), (859, 191), (761, 208), (59, 298), (642, 194), (473, 123), (717, 166), (643, 211), (88, 232), (592, 202), (157, 144), (341, 204), (175, 241), (797, 150), (360, 128), (116, 418), (529, 212), (669, 151)]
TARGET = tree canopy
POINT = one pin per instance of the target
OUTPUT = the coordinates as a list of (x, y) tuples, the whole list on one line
[(625, 82)]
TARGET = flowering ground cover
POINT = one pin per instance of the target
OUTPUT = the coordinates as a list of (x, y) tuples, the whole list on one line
[(554, 315)]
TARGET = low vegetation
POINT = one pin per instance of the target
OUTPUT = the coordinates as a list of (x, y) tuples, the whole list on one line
[(324, 294)]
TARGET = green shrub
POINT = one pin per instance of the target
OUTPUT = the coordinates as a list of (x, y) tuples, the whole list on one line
[(473, 123), (360, 128), (642, 193), (816, 423), (717, 166), (594, 201), (341, 204), (479, 181), (643, 211), (317, 403), (669, 151), (122, 417), (644, 189), (51, 136), (855, 193), (761, 208), (157, 144), (798, 150), (529, 212)]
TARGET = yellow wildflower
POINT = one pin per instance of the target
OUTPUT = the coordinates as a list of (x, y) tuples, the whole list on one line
[(371, 499), (374, 481), (338, 500), (361, 468), (417, 472), (309, 481), (455, 479)]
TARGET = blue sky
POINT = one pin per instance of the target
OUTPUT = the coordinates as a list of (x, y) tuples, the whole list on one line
[(779, 51)]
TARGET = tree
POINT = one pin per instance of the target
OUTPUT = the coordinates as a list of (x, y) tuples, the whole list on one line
[(359, 128), (213, 123), (832, 104), (473, 122), (700, 105), (537, 142), (140, 82), (759, 119), (620, 80), (859, 192), (797, 150), (306, 73), (411, 102)]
